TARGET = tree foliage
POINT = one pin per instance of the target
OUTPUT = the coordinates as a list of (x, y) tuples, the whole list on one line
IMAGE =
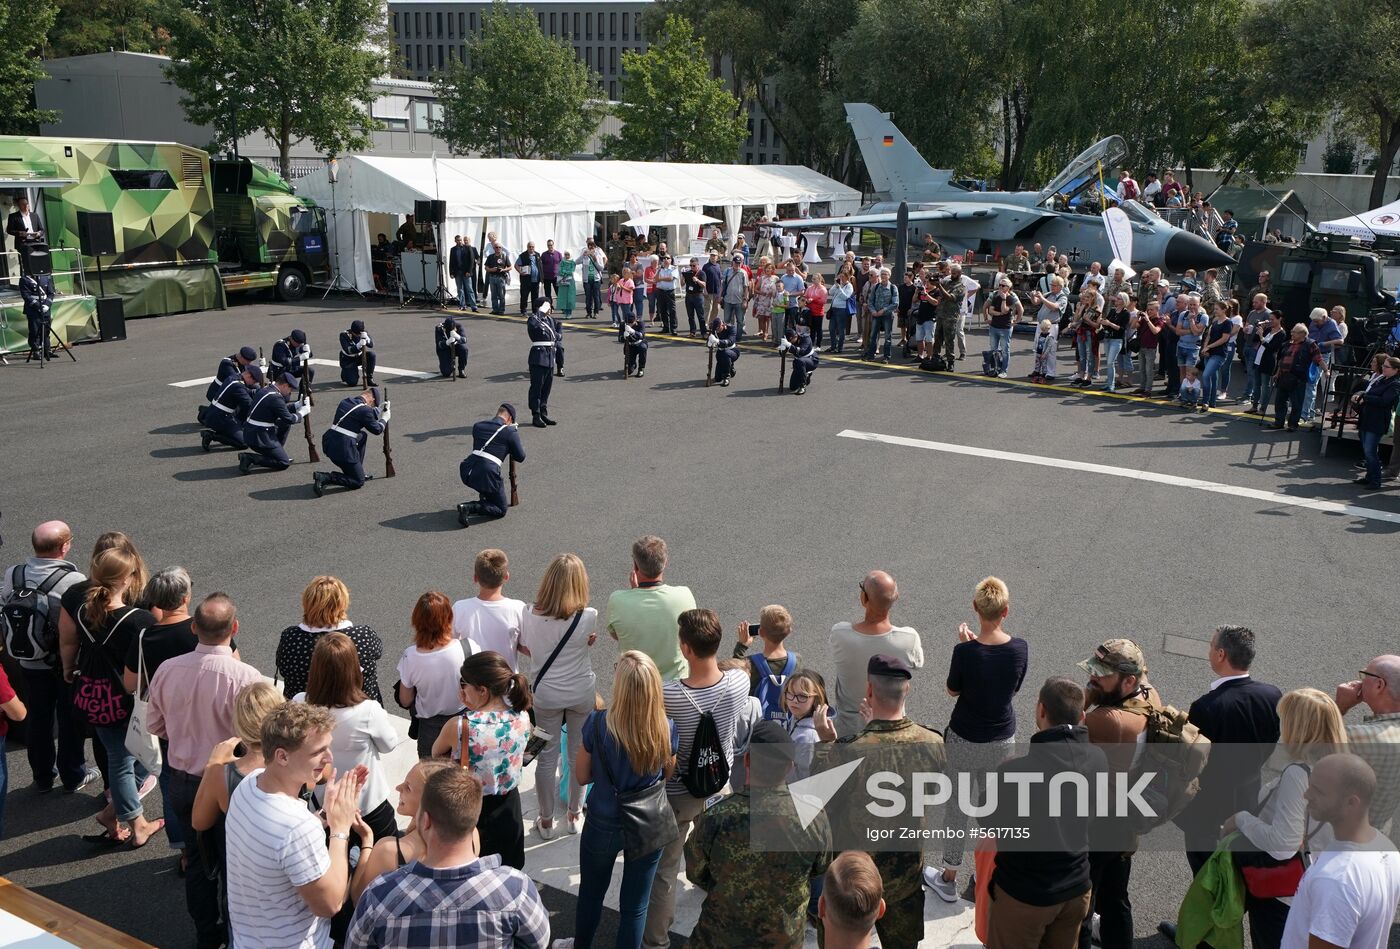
[(296, 69), (24, 21), (95, 26), (523, 94), (671, 109)]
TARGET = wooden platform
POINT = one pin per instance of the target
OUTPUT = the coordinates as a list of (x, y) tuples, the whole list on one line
[(36, 922)]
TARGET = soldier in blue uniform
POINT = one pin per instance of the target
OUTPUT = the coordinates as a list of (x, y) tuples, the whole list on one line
[(355, 342), (355, 419), (798, 345), (291, 354), (451, 342), (231, 367), (269, 420), (229, 402), (724, 340), (544, 337), (38, 292), (493, 439), (634, 342)]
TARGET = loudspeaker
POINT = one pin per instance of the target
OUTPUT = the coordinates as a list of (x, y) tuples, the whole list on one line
[(430, 212), (439, 212), (95, 233), (35, 259), (111, 318)]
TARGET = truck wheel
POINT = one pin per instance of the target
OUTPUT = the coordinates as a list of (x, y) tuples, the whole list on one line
[(291, 284)]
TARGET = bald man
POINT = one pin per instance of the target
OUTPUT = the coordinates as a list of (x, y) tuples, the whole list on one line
[(1376, 737), (1347, 897), (30, 593), (854, 643)]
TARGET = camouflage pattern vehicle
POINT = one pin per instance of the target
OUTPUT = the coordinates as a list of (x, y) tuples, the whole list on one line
[(266, 236), (1324, 270)]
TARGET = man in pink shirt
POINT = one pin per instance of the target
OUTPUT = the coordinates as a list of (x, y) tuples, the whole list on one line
[(192, 706)]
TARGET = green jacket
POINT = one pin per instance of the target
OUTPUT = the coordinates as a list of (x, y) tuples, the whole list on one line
[(1213, 911)]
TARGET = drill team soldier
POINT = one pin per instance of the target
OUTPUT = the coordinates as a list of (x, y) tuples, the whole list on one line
[(292, 355), (544, 337), (724, 340), (493, 440), (451, 343), (229, 402), (269, 420), (798, 346), (345, 442), (354, 343), (231, 367), (634, 347)]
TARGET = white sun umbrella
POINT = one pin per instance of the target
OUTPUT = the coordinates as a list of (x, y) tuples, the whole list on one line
[(671, 217)]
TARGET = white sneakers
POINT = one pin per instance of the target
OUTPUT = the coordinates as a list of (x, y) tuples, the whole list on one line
[(573, 823), (546, 833), (947, 890)]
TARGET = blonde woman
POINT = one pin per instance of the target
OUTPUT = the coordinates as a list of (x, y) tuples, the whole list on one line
[(627, 748), (378, 860), (765, 292), (560, 624), (325, 606), (1310, 728)]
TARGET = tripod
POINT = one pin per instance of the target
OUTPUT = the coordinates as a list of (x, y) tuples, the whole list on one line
[(338, 281), (42, 355)]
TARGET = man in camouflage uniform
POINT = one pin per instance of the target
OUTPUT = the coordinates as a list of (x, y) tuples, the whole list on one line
[(1209, 292), (950, 293), (1117, 284), (715, 245), (1019, 262), (1147, 288), (932, 249), (1264, 286), (890, 741), (617, 254), (757, 887)]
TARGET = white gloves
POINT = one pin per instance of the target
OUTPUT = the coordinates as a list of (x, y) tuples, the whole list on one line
[(262, 364), (454, 339), (713, 341), (303, 409), (630, 333), (784, 346), (303, 359), (384, 413), (362, 342)]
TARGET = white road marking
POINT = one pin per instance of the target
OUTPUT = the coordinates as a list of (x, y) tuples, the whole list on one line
[(386, 370), (1282, 500)]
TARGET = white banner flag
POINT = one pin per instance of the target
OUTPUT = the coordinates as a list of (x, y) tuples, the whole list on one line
[(1120, 237), (636, 207)]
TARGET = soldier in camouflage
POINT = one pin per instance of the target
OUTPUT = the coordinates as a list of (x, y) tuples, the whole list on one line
[(757, 881), (1210, 291), (950, 293), (890, 741), (1019, 262), (1117, 284)]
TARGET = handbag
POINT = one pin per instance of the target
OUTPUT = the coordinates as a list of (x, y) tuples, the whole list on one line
[(144, 746), (1264, 877), (648, 823), (538, 736), (103, 700)]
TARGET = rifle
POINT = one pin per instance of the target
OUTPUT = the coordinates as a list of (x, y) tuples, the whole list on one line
[(364, 368), (514, 485), (625, 347), (305, 392), (782, 369), (389, 471), (710, 372)]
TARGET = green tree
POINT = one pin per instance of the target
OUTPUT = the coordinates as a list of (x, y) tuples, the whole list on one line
[(523, 94), (296, 69), (1338, 54), (671, 109), (95, 26), (23, 20)]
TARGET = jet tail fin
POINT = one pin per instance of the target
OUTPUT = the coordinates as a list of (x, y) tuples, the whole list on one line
[(896, 168)]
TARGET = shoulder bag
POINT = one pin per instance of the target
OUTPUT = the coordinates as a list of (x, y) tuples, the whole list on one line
[(102, 699), (1264, 877), (648, 823), (538, 736), (144, 746)]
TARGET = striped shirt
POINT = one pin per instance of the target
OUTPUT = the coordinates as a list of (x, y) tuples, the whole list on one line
[(684, 706), (274, 845), (481, 904), (1376, 739)]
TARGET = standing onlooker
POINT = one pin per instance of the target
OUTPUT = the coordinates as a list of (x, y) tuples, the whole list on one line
[(712, 271), (815, 297), (1296, 362), (1376, 738), (694, 283), (285, 879), (1040, 888), (489, 621), (667, 279), (36, 651), (770, 669), (644, 617), (1376, 413), (549, 271), (1001, 310), (491, 906), (11, 710), (1265, 362), (363, 730), (489, 739), (853, 644), (1253, 324), (325, 607), (379, 856), (852, 901), (428, 669), (843, 304), (1149, 331), (765, 292), (984, 674), (881, 306), (626, 749), (734, 292), (703, 690), (1218, 351), (761, 894), (791, 286), (1327, 336), (1348, 896), (192, 699), (594, 261), (1114, 329), (558, 633), (93, 642)]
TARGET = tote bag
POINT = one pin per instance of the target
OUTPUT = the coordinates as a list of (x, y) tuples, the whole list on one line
[(144, 746)]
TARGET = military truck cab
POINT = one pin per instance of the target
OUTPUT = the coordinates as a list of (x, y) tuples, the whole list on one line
[(1325, 270), (265, 235)]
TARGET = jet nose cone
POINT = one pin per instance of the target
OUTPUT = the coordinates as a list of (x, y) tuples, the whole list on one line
[(1187, 251)]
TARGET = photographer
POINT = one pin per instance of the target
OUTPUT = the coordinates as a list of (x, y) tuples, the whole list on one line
[(1001, 311)]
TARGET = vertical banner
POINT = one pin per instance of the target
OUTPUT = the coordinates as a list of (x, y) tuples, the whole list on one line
[(1120, 237), (636, 208)]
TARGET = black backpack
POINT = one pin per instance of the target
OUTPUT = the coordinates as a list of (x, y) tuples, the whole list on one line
[(707, 770), (935, 363), (31, 632)]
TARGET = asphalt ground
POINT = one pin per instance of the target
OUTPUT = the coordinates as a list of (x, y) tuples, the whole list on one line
[(759, 498)]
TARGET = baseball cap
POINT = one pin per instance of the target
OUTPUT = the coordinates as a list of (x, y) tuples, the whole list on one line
[(249, 354), (881, 664), (358, 326), (298, 336), (1115, 656)]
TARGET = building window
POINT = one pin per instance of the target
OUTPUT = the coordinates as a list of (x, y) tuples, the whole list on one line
[(462, 25), (624, 27), (462, 53), (588, 56), (553, 24), (763, 131), (452, 54), (439, 24), (575, 26), (417, 24), (612, 26), (450, 25), (612, 91), (588, 26), (396, 26), (541, 19), (473, 22), (612, 59), (760, 158), (418, 56), (749, 140), (407, 58), (1303, 152), (442, 59)]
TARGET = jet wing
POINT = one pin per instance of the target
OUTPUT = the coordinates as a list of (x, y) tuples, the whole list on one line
[(887, 219)]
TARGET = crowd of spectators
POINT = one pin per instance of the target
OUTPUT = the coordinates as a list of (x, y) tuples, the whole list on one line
[(280, 806)]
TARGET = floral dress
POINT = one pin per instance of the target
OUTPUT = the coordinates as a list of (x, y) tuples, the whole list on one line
[(765, 293), (495, 748)]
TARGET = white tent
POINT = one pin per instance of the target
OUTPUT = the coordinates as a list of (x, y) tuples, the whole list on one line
[(1368, 225), (536, 201)]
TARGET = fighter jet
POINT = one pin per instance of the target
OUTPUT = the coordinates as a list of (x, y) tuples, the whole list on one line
[(995, 222)]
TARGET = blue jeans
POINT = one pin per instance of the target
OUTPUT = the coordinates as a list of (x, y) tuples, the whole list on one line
[(1001, 342), (174, 831), (1370, 447), (615, 307), (124, 771), (1115, 347), (1210, 378), (1310, 395), (1252, 379), (1187, 355), (598, 847), (497, 286), (592, 297), (1084, 348), (734, 316), (880, 324), (1266, 391), (840, 322), (466, 291)]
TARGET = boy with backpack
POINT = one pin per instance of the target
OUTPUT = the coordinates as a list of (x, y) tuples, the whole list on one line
[(30, 596), (770, 669), (705, 704)]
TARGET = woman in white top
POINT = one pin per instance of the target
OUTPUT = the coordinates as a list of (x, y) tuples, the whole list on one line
[(1310, 728), (363, 730), (564, 689), (429, 668)]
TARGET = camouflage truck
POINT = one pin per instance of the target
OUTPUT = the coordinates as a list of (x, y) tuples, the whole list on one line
[(266, 236)]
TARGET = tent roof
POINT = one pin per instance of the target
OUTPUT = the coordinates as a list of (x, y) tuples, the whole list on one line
[(473, 186), (1382, 221)]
